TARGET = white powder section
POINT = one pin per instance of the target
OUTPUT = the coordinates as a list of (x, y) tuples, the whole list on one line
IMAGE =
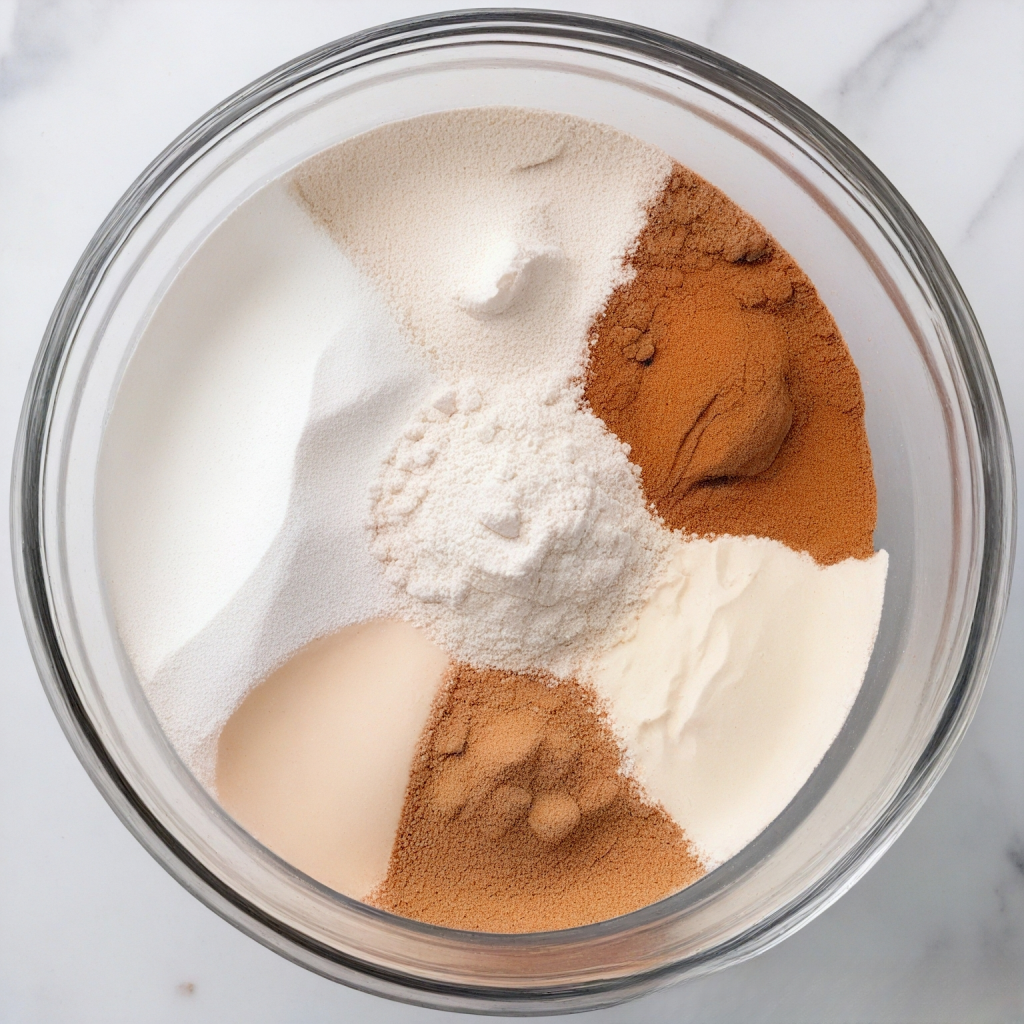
[(197, 458), (234, 490), (736, 677), (497, 233), (516, 532)]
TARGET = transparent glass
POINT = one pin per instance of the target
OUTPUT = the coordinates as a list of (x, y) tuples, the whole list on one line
[(936, 423)]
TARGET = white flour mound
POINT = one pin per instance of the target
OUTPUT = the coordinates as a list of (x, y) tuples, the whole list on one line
[(514, 531)]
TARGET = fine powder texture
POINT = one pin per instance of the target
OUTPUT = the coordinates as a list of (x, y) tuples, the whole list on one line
[(232, 496), (725, 373), (200, 449), (315, 762), (487, 493), (496, 233), (517, 818), (515, 531), (735, 678), (509, 518)]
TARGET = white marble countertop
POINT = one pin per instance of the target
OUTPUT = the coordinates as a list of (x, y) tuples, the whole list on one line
[(91, 929)]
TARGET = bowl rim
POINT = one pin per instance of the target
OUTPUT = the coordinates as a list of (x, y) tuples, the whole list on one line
[(900, 224)]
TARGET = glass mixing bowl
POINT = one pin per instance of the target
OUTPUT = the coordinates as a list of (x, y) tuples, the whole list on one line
[(935, 419)]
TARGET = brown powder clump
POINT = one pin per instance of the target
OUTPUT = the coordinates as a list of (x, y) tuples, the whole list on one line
[(723, 370), (517, 819)]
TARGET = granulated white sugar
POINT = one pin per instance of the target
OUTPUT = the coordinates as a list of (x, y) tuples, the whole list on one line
[(515, 531)]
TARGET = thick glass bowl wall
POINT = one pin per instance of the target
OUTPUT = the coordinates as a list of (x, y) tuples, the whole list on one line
[(935, 420)]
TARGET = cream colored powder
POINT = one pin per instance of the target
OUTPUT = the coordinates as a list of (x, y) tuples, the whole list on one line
[(316, 761), (736, 678)]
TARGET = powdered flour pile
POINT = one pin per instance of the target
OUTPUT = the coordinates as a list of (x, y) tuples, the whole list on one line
[(516, 530)]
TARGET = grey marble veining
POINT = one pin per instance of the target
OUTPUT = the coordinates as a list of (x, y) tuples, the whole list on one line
[(90, 928), (1006, 189), (859, 91), (41, 36)]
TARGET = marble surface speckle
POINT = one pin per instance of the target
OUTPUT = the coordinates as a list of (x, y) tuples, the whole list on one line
[(91, 929)]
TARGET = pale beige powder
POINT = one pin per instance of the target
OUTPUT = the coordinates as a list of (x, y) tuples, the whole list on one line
[(316, 761), (430, 207)]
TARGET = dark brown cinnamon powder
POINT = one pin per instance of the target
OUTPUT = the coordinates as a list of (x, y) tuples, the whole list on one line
[(723, 370), (517, 819)]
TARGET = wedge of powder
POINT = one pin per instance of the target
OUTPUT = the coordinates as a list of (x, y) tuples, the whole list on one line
[(723, 370), (517, 818)]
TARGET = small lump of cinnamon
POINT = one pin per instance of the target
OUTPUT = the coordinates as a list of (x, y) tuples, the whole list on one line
[(553, 816)]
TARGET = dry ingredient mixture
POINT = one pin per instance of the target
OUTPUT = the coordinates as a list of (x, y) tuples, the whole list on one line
[(508, 519), (594, 452), (719, 366)]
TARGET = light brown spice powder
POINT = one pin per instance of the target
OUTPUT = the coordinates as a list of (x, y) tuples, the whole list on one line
[(517, 818)]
